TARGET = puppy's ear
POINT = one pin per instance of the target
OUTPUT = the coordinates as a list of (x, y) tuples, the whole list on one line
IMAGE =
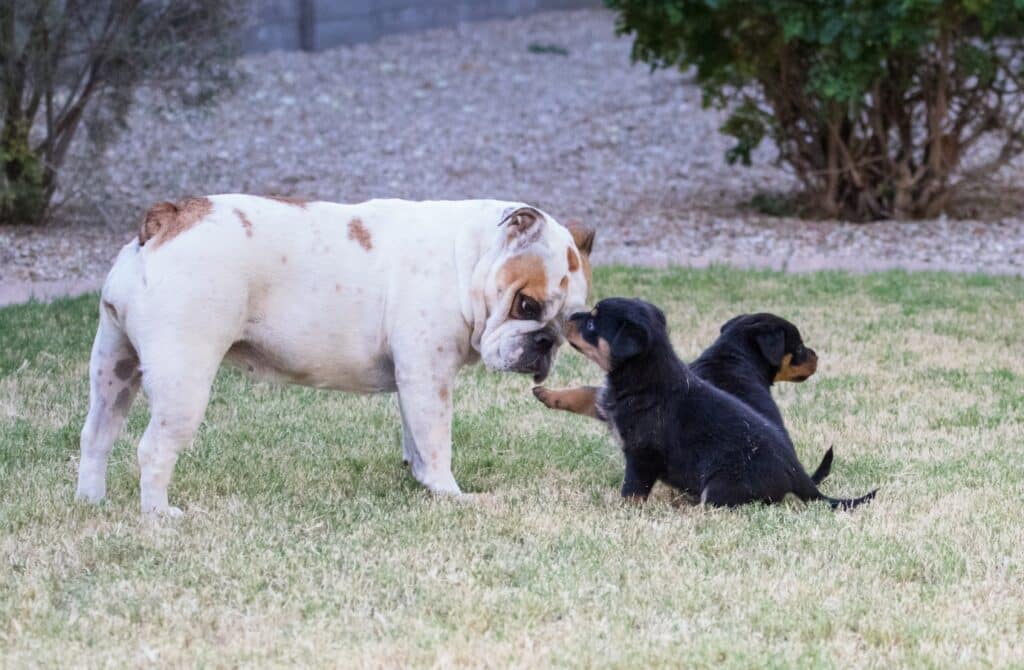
[(730, 322), (632, 339), (522, 226), (772, 344)]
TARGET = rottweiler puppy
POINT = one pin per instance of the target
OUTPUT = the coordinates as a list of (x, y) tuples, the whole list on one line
[(752, 352), (678, 428)]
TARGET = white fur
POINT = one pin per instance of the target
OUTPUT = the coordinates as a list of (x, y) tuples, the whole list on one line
[(321, 310)]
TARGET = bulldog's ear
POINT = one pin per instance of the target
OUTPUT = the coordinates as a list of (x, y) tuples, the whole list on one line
[(630, 340), (522, 225), (772, 345), (582, 236)]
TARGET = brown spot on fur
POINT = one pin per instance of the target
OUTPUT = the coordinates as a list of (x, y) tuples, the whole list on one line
[(246, 223), (525, 273), (358, 233), (288, 200), (123, 401), (564, 284), (166, 220), (442, 393), (601, 354), (573, 258), (125, 368)]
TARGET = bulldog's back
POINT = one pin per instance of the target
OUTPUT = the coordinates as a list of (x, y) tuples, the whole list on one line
[(303, 291)]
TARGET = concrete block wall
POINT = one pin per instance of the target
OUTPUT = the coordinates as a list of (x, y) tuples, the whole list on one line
[(322, 24)]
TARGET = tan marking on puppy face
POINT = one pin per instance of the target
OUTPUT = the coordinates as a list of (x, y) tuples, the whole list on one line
[(166, 220), (528, 273), (601, 354), (358, 233), (288, 200), (796, 373), (573, 258), (246, 223)]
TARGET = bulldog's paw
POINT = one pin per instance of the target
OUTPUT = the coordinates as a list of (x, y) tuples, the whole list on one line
[(168, 512)]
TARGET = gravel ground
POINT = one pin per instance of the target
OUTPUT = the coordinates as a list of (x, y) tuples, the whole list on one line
[(472, 112)]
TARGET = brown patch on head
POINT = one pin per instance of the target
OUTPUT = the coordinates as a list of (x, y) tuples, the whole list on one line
[(527, 274), (797, 373), (443, 394), (358, 233), (288, 200), (166, 220), (573, 258), (564, 284), (246, 223), (583, 238)]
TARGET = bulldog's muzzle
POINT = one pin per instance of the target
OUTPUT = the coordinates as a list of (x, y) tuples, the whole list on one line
[(538, 353)]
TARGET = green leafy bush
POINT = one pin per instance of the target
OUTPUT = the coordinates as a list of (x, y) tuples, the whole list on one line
[(873, 103)]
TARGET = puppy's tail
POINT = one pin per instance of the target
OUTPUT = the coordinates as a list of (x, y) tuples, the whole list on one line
[(849, 503), (824, 468), (808, 492)]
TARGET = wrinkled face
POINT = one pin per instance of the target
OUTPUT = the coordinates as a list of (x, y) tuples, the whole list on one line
[(542, 275), (777, 342)]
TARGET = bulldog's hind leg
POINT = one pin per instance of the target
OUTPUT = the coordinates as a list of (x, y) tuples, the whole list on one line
[(177, 383), (113, 384)]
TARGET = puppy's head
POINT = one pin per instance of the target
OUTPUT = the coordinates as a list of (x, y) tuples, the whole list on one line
[(775, 343), (541, 275), (617, 330)]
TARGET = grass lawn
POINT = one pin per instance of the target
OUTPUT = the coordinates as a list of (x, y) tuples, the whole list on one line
[(306, 542)]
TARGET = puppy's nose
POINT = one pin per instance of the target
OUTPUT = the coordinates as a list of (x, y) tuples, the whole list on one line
[(543, 341)]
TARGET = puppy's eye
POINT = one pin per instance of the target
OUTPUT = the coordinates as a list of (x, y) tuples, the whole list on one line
[(526, 308), (590, 324)]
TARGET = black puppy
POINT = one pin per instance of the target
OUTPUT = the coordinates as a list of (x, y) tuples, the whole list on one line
[(678, 428), (751, 353)]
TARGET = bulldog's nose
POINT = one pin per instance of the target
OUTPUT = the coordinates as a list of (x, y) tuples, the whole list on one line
[(543, 341)]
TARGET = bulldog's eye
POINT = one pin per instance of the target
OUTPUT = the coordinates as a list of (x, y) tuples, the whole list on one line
[(526, 308)]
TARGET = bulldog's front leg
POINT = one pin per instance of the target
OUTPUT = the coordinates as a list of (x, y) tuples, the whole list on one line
[(425, 400)]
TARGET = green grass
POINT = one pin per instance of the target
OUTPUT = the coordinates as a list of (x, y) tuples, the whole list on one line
[(306, 542)]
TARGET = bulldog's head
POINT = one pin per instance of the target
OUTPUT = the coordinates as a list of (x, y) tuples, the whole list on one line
[(541, 274)]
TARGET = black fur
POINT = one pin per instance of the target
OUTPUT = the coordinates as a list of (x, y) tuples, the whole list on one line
[(677, 428), (745, 359)]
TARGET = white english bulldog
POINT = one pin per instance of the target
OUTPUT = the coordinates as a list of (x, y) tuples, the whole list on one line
[(386, 295)]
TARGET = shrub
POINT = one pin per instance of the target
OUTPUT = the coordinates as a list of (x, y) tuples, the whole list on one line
[(873, 103), (69, 63)]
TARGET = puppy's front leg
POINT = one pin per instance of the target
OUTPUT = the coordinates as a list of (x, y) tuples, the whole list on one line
[(641, 474), (425, 399), (580, 400)]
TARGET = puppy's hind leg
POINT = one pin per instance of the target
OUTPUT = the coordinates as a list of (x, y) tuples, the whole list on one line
[(113, 384)]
